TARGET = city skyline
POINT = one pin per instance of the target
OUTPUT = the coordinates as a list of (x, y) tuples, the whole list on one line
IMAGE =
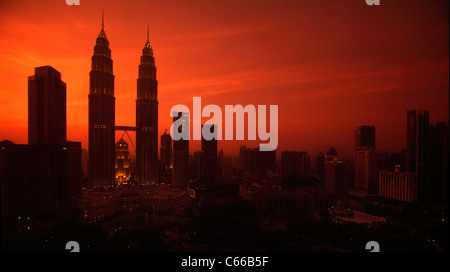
[(356, 156), (376, 86)]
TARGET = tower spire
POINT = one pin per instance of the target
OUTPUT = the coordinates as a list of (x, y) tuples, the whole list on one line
[(102, 33), (147, 46)]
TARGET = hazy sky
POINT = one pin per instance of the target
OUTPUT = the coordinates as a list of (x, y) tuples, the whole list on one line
[(329, 65)]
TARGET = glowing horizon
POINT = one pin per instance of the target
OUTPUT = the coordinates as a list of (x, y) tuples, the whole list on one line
[(329, 66)]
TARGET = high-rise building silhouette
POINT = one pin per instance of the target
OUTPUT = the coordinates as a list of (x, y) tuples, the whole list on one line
[(122, 162), (417, 148), (147, 119), (101, 115), (46, 107), (166, 165), (181, 155), (39, 179), (331, 154), (74, 167), (166, 151), (294, 166), (365, 136), (257, 162), (209, 150), (366, 171), (197, 165), (320, 165), (366, 174), (439, 150), (335, 177)]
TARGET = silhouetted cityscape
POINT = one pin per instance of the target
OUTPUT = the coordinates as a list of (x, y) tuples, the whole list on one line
[(54, 191)]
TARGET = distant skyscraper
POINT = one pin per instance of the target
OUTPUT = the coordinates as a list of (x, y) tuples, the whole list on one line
[(364, 136), (257, 162), (332, 154), (335, 177), (417, 148), (181, 156), (209, 149), (366, 171), (166, 151), (122, 162), (320, 165), (294, 166), (417, 139), (46, 107), (439, 150), (101, 115), (366, 175), (198, 165), (147, 119)]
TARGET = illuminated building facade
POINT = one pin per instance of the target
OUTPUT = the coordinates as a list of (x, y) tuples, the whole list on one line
[(122, 162)]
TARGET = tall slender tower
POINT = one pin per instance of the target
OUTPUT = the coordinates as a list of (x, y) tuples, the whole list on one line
[(166, 151), (147, 119), (181, 155), (417, 149), (209, 149), (101, 115)]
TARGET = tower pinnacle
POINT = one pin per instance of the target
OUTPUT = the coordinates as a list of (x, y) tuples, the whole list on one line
[(102, 33), (148, 47)]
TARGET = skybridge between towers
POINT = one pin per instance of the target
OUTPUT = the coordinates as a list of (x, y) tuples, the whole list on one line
[(125, 130)]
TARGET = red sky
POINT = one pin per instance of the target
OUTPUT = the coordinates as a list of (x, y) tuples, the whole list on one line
[(329, 65)]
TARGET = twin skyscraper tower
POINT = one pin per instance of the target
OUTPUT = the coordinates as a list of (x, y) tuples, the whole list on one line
[(101, 170)]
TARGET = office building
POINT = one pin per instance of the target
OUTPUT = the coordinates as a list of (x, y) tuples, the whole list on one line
[(397, 185), (46, 107), (335, 177), (181, 156), (209, 150), (366, 175), (364, 136)]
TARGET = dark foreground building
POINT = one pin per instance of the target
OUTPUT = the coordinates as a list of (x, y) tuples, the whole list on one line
[(38, 180)]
